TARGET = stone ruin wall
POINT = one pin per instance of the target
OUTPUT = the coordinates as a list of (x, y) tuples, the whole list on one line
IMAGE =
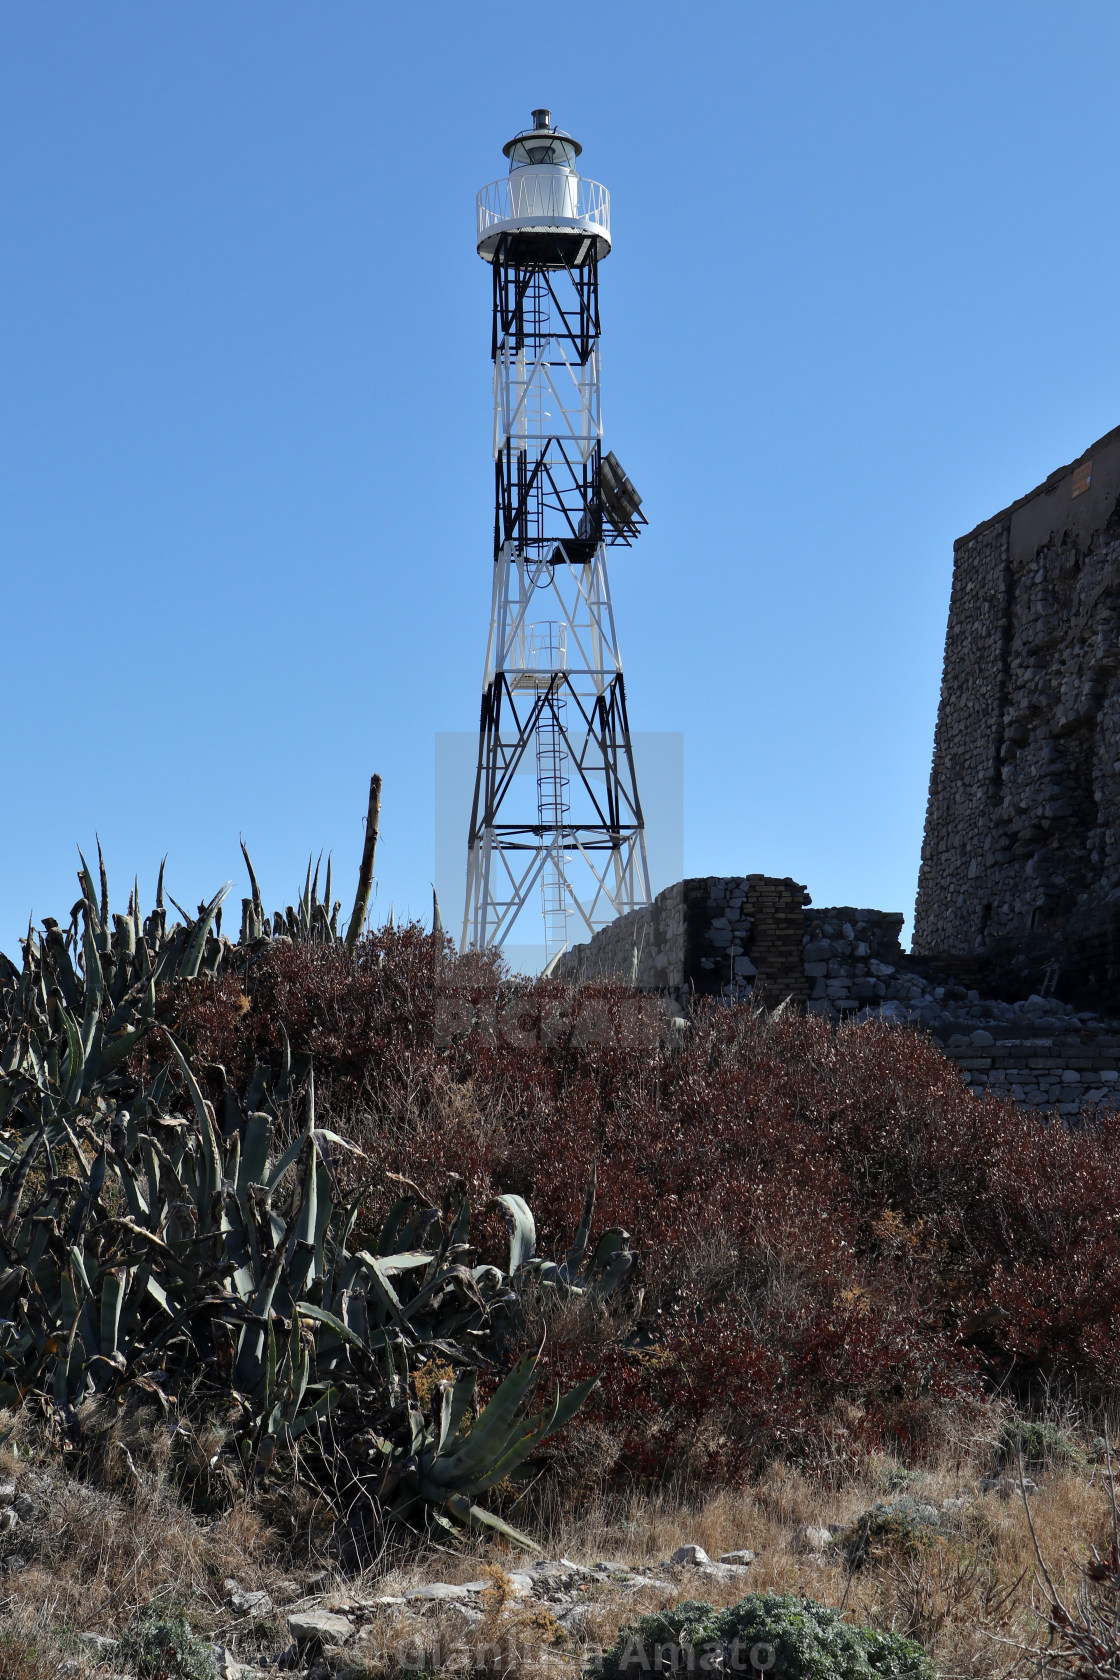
[(736, 938), (1021, 856), (705, 937), (742, 936)]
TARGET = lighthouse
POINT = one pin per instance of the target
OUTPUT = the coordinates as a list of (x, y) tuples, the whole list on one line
[(556, 828)]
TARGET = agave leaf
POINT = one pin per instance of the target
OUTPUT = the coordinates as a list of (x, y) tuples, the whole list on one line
[(299, 1360), (324, 1202), (611, 1261), (522, 1230), (238, 1247), (158, 1294), (71, 1296), (248, 1367), (191, 959), (19, 1178), (344, 1231), (394, 1224), (382, 1288), (489, 1437), (534, 1431), (314, 1414), (460, 1275), (130, 1183), (88, 1195), (445, 1432), (94, 985), (457, 1219), (322, 1134), (473, 1516), (151, 1171), (292, 1153), (161, 1251), (29, 1058), (304, 1309), (410, 1262), (613, 1273), (73, 1140), (118, 1048), (573, 1260), (211, 1156), (112, 1298), (89, 891), (455, 1403), (78, 1263), (195, 1090), (270, 1363), (301, 1248), (64, 972), (254, 1153), (258, 905), (104, 905)]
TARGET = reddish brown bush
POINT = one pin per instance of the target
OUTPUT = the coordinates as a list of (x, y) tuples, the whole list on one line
[(835, 1239)]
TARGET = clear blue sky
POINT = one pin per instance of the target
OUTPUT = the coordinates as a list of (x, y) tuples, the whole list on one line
[(862, 295)]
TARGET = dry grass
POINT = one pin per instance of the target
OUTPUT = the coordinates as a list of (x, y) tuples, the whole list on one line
[(974, 1581), (98, 1555)]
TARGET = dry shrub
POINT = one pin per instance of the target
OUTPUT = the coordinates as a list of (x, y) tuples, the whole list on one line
[(839, 1248)]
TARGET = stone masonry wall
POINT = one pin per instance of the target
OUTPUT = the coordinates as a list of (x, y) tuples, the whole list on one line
[(1065, 1073), (966, 752), (852, 960), (710, 936), (1021, 855)]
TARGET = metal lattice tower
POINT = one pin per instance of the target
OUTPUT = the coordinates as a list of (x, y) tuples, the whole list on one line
[(553, 689)]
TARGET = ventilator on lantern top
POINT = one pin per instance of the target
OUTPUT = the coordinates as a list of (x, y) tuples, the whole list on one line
[(554, 701)]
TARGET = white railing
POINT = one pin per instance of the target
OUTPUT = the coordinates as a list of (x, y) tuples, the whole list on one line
[(550, 198)]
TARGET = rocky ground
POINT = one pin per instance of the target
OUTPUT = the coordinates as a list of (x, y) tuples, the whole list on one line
[(943, 1555)]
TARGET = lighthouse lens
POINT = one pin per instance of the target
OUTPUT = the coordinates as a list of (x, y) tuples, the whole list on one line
[(535, 150)]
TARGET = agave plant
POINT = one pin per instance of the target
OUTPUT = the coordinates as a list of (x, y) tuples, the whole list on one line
[(86, 996), (224, 1267), (452, 1464), (579, 1273), (68, 1029), (146, 1247)]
